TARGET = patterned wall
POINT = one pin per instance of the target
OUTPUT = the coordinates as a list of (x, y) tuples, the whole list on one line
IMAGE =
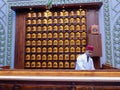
[(112, 55), (3, 28), (115, 31)]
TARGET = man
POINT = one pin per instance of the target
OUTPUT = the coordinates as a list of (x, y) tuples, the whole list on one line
[(84, 61)]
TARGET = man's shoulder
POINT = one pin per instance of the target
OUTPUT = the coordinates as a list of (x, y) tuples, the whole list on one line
[(81, 55)]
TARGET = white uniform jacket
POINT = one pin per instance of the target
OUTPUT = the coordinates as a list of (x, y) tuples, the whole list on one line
[(83, 64)]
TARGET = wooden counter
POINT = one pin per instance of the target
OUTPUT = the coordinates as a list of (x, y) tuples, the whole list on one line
[(59, 78)]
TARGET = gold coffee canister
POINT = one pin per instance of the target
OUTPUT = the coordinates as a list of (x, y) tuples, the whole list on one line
[(49, 49), (66, 64), (55, 57), (84, 35), (60, 42), (72, 65), (55, 14), (61, 65), (60, 57), (77, 27), (61, 49), (28, 35), (44, 28), (72, 35), (72, 13), (61, 35), (66, 13), (39, 28), (66, 49), (34, 14), (66, 27), (83, 42), (66, 42), (33, 64), (55, 42), (72, 42), (28, 43), (44, 21), (60, 27), (27, 57), (72, 49), (84, 27), (55, 49), (60, 20), (33, 57), (33, 50), (55, 35), (66, 57), (72, 57), (34, 28), (28, 29), (66, 35), (55, 28), (45, 14), (49, 35), (71, 20), (39, 35), (44, 42), (78, 35), (44, 50), (49, 57), (33, 21), (78, 12), (39, 14), (44, 57), (28, 21), (83, 49), (61, 13), (28, 50), (44, 65), (83, 12), (29, 15), (39, 43), (39, 21), (72, 27), (38, 50), (49, 42), (77, 42), (49, 64), (49, 13), (38, 57), (78, 20), (55, 21), (27, 64), (44, 35), (49, 21), (55, 64), (38, 64), (83, 20), (34, 35), (78, 49)]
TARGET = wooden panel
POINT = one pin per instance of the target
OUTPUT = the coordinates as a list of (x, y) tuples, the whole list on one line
[(19, 40), (95, 40)]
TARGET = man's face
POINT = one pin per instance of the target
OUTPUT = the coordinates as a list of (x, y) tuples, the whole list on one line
[(89, 52)]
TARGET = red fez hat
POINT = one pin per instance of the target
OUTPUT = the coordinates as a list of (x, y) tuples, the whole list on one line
[(89, 47)]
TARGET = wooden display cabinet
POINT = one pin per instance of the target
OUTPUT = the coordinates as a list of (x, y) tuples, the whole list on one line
[(52, 39)]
